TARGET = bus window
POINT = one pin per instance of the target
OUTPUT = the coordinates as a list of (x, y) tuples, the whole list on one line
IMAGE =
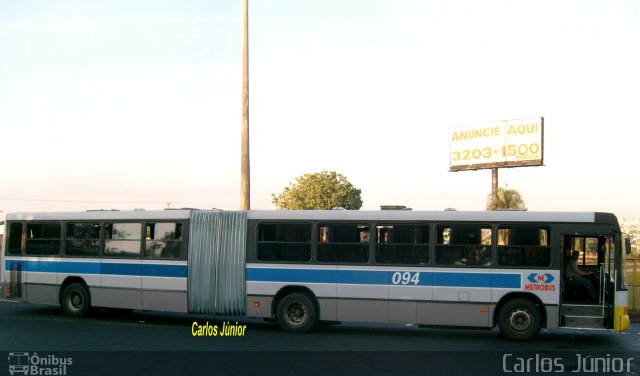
[(463, 245), (284, 242), (14, 243), (343, 243), (163, 240), (523, 246), (402, 244), (82, 239), (43, 239), (122, 239)]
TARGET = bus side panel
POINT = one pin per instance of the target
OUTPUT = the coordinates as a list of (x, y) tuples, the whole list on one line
[(88, 270), (42, 293), (14, 278), (40, 280), (116, 298), (120, 284), (363, 294), (264, 281), (259, 306), (542, 284), (553, 317), (407, 287), (164, 286), (460, 297), (453, 314), (168, 301), (621, 313)]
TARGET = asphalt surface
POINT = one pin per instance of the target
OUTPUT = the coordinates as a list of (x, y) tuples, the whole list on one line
[(138, 340)]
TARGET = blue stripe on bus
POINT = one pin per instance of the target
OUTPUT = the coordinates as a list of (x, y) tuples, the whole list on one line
[(65, 267), (75, 267), (362, 277), (120, 269), (461, 279), (291, 275), (380, 277), (506, 281), (41, 267), (162, 270)]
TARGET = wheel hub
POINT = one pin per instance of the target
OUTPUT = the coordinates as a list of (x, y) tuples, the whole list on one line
[(520, 320), (296, 314)]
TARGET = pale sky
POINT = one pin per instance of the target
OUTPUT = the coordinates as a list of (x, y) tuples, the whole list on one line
[(134, 104)]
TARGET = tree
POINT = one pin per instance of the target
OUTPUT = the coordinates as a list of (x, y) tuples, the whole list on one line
[(319, 191), (505, 199)]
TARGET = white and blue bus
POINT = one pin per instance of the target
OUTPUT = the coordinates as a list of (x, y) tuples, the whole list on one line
[(450, 268)]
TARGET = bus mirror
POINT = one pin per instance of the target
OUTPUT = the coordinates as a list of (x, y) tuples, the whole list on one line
[(627, 245)]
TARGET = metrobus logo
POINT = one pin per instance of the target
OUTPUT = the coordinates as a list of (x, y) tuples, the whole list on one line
[(540, 282)]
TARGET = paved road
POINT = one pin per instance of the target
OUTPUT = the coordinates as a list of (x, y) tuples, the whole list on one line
[(38, 328)]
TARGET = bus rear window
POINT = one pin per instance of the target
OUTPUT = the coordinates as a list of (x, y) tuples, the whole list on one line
[(43, 239), (14, 242)]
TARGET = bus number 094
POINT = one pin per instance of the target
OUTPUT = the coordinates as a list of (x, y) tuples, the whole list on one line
[(405, 278)]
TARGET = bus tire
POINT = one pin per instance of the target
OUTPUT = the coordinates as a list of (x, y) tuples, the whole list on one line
[(519, 319), (296, 313), (75, 300)]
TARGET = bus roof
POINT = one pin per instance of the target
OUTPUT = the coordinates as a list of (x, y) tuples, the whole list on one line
[(108, 215), (471, 216), (346, 215)]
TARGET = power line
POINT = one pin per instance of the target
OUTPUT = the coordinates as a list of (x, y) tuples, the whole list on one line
[(81, 201), (101, 201)]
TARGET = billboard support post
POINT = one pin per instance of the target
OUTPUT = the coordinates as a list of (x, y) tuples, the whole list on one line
[(494, 183)]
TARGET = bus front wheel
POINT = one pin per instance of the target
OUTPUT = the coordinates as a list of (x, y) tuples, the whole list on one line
[(75, 300), (296, 313), (519, 319)]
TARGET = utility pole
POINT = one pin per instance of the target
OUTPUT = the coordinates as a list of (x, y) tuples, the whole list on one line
[(245, 187), (494, 183)]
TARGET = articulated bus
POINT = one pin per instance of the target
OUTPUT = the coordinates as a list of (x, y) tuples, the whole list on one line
[(450, 268)]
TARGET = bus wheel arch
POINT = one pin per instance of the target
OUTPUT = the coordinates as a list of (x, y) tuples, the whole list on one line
[(75, 298), (520, 316), (296, 309)]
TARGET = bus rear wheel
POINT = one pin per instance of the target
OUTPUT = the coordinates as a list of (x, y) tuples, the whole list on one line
[(75, 300), (296, 313), (519, 319)]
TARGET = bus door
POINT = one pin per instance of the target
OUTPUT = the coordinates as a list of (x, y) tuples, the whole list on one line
[(14, 268), (587, 301)]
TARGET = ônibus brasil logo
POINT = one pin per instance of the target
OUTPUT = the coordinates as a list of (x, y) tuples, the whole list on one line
[(24, 363), (540, 282)]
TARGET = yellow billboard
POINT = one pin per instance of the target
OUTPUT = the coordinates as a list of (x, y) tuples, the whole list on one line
[(507, 143)]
